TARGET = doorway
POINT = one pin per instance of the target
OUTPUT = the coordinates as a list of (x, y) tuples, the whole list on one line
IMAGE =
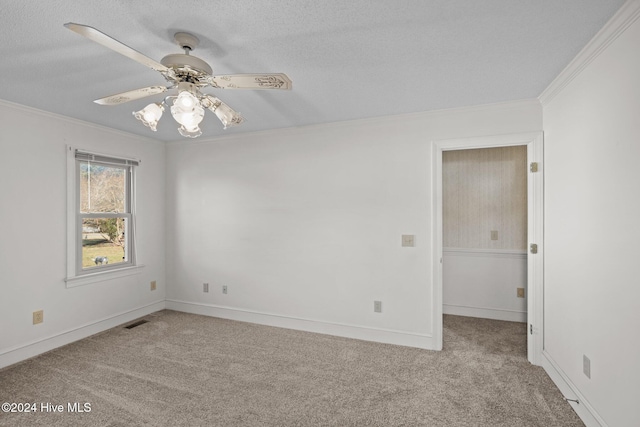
[(534, 265), (485, 236)]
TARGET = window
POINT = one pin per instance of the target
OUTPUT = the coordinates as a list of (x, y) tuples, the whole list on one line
[(103, 222)]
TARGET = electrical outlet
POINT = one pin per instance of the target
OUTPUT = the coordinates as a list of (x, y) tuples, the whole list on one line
[(494, 234), (520, 292), (224, 289), (377, 306), (38, 317), (586, 366), (153, 285), (205, 287)]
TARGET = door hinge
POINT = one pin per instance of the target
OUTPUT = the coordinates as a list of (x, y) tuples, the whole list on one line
[(530, 329), (533, 248), (533, 167)]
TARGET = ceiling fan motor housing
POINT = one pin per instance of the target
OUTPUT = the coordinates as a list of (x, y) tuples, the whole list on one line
[(182, 62), (187, 68)]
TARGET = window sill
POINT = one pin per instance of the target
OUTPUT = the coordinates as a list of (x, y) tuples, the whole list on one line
[(87, 279)]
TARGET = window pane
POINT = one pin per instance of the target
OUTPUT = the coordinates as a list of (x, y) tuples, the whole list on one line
[(104, 241), (102, 188)]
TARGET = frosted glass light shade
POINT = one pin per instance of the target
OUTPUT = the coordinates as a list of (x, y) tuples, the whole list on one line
[(186, 100), (187, 111), (227, 115), (150, 115), (190, 133)]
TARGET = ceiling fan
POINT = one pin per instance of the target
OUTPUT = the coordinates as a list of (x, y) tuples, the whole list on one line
[(189, 75)]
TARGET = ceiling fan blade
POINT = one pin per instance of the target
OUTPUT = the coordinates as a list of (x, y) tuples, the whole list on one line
[(113, 44), (251, 81), (131, 95)]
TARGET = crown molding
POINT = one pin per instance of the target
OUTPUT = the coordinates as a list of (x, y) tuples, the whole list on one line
[(623, 19), (42, 113), (369, 121)]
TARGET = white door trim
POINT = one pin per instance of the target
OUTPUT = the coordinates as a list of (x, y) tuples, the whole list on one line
[(535, 219)]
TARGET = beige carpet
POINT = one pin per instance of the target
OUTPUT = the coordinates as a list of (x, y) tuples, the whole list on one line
[(186, 370)]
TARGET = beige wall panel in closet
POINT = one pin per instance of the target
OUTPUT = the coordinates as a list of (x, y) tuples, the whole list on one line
[(485, 190)]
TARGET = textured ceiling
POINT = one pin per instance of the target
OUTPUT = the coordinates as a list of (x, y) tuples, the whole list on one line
[(347, 59)]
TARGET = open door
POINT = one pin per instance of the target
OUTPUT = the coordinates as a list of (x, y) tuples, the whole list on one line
[(535, 264), (535, 247)]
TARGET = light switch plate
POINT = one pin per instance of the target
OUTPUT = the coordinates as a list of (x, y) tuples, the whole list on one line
[(377, 306), (586, 366), (408, 240)]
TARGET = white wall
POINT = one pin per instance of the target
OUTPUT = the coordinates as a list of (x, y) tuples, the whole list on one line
[(483, 283), (592, 222), (304, 225), (33, 200)]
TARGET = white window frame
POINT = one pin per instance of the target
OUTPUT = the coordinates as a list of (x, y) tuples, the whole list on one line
[(76, 274)]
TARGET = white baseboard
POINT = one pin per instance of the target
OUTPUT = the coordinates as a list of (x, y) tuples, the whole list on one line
[(386, 336), (485, 313), (26, 351), (585, 411)]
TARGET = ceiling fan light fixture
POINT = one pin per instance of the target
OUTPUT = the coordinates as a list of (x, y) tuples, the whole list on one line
[(150, 115), (188, 74)]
